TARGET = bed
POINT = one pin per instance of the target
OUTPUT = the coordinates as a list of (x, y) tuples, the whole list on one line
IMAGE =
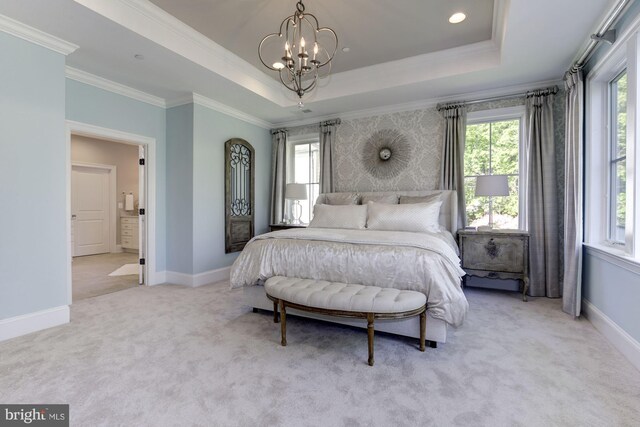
[(426, 261)]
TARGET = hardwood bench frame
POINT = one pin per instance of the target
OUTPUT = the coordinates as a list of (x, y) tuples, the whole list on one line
[(369, 316)]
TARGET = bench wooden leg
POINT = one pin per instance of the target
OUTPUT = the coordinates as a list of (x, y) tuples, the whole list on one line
[(275, 311), (370, 332), (283, 323), (423, 327)]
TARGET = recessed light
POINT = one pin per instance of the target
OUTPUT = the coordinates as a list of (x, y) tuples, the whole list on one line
[(278, 65), (138, 56), (345, 49), (457, 18)]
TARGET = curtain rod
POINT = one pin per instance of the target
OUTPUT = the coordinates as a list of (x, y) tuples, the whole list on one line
[(613, 16), (443, 106)]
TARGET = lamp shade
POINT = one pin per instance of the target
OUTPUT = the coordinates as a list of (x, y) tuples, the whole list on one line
[(492, 185), (296, 192)]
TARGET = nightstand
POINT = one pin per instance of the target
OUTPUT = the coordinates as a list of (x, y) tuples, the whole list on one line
[(496, 254), (276, 227)]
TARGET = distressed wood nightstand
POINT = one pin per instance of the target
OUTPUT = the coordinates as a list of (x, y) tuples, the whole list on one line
[(496, 254), (276, 227)]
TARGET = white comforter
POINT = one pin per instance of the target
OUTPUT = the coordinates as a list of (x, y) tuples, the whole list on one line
[(425, 262)]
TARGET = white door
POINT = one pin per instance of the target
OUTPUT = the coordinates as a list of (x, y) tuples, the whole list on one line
[(90, 210)]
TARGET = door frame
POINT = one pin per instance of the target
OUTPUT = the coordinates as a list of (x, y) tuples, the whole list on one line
[(97, 132), (113, 173)]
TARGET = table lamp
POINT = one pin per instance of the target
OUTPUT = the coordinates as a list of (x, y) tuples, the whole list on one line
[(296, 192), (491, 186)]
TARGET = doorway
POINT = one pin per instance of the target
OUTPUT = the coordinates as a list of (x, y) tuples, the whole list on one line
[(107, 192)]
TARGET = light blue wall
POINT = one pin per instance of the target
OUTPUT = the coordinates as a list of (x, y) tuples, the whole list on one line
[(615, 291), (91, 105), (211, 130), (33, 241), (180, 189)]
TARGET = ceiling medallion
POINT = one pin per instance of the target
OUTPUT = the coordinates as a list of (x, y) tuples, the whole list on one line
[(386, 153), (306, 50)]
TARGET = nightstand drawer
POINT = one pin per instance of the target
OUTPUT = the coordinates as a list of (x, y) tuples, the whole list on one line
[(493, 253)]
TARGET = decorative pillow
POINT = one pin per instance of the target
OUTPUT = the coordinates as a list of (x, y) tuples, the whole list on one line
[(339, 216), (341, 198), (390, 199), (419, 217), (420, 199)]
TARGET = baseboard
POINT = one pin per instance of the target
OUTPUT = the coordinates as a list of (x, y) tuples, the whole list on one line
[(617, 336), (195, 280), (25, 324)]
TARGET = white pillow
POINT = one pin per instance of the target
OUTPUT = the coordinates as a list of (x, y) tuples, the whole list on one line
[(390, 199), (341, 198), (419, 217), (339, 216)]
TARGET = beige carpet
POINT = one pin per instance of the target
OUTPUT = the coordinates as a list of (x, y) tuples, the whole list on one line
[(171, 355), (91, 274)]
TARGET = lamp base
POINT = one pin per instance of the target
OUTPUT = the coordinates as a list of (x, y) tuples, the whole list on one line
[(296, 212), (485, 228)]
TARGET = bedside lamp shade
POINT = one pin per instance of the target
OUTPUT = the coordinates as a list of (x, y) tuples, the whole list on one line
[(492, 185), (296, 192)]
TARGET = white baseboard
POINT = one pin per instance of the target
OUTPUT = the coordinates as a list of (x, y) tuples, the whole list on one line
[(617, 336), (195, 280), (33, 322)]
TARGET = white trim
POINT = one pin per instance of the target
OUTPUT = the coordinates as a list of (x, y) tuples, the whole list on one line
[(195, 280), (92, 131), (497, 114), (113, 190), (617, 336), (422, 104), (27, 323), (33, 35), (203, 101), (613, 256), (114, 87)]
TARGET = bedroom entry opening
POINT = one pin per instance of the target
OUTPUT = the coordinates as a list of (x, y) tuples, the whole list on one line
[(107, 216)]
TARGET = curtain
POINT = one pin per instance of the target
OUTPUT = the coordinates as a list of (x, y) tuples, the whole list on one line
[(278, 174), (574, 116), (452, 174), (542, 208), (327, 136)]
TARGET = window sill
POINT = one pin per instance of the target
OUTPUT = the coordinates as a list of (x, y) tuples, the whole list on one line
[(613, 256)]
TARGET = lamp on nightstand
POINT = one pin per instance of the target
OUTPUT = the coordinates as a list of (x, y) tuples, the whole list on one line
[(296, 192), (491, 186)]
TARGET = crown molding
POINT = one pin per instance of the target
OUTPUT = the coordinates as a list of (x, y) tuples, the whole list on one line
[(111, 86), (195, 98), (422, 104), (33, 35)]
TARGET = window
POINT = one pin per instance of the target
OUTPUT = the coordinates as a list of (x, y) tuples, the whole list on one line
[(617, 158), (612, 182), (492, 147), (303, 167)]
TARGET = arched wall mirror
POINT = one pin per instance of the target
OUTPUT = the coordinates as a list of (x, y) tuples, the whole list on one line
[(239, 193)]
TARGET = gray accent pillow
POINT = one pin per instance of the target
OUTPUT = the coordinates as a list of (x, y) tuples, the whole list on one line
[(417, 217), (390, 199), (341, 198), (420, 199)]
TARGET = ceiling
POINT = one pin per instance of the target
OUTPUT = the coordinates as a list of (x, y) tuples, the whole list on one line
[(401, 51)]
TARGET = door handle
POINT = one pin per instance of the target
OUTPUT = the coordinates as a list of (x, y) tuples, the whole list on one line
[(73, 217)]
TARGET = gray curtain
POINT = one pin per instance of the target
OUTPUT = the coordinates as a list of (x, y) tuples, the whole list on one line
[(278, 174), (542, 207), (574, 116), (327, 137), (452, 175)]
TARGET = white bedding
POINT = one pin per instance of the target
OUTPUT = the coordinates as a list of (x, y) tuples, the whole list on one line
[(425, 262)]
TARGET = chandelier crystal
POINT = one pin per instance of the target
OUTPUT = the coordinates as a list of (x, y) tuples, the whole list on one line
[(299, 51)]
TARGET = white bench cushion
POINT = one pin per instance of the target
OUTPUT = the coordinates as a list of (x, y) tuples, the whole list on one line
[(343, 296)]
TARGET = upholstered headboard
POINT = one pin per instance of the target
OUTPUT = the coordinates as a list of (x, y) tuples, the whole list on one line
[(448, 210)]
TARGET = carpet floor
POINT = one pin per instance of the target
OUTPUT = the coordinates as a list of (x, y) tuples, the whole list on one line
[(172, 355)]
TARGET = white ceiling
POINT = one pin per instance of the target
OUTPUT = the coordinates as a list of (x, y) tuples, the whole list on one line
[(530, 43)]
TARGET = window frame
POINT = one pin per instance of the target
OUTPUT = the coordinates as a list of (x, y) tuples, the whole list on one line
[(612, 161), (502, 114), (292, 141), (624, 54)]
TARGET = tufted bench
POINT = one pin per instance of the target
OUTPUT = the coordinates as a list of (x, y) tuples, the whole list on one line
[(344, 300)]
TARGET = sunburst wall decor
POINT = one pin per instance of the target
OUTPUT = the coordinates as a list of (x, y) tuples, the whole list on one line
[(386, 153)]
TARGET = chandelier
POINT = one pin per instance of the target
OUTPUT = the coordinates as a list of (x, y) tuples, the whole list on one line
[(306, 50)]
